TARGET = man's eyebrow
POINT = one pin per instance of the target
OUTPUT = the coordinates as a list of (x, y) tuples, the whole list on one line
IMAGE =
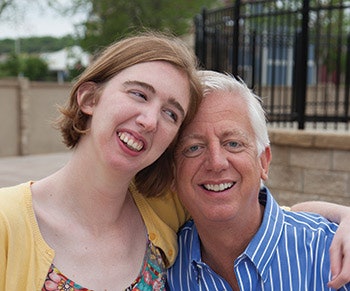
[(141, 84), (171, 100), (237, 133), (189, 138)]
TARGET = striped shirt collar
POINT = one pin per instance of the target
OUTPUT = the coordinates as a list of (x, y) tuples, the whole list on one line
[(263, 245)]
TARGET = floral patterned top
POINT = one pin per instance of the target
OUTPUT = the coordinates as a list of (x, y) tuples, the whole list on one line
[(152, 275)]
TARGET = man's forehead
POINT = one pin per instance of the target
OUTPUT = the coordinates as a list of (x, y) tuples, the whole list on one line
[(220, 132), (220, 100)]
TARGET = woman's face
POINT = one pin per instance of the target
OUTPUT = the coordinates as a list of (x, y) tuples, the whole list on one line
[(137, 115)]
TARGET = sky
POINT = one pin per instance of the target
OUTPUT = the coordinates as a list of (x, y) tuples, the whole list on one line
[(33, 20)]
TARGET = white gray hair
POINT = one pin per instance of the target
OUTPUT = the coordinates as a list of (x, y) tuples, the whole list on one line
[(215, 81)]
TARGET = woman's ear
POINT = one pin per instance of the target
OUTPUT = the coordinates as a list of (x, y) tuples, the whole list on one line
[(86, 97)]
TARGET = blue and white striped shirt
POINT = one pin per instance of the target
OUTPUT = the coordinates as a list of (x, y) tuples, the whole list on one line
[(290, 252)]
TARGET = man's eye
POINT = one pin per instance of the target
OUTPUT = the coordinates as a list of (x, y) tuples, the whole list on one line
[(234, 146), (192, 151)]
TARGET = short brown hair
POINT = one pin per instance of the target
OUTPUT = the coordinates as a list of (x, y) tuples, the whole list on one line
[(144, 47)]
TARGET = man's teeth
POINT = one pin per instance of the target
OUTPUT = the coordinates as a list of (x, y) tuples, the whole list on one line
[(130, 142), (218, 187)]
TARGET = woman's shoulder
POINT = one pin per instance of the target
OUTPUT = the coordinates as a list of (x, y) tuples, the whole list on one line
[(14, 198)]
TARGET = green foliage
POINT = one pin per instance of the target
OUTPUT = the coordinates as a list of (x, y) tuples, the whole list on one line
[(13, 66), (111, 19), (108, 20), (36, 44), (7, 46), (35, 68), (32, 67)]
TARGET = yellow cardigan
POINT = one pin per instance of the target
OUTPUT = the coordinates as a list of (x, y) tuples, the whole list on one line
[(25, 257)]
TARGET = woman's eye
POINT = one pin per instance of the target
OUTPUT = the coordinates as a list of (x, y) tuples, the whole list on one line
[(139, 94), (172, 114), (192, 151)]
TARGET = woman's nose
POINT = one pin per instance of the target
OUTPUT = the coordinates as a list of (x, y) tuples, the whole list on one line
[(148, 120)]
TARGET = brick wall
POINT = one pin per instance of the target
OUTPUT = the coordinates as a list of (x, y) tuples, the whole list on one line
[(27, 110), (309, 165)]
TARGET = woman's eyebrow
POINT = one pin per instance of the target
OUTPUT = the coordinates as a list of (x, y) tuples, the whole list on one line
[(172, 101), (141, 84)]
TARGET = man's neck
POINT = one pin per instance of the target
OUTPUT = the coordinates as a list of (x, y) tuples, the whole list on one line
[(222, 244)]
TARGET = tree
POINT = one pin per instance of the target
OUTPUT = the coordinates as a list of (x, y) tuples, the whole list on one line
[(13, 66), (35, 68), (32, 67), (108, 20), (111, 19), (35, 45), (4, 4)]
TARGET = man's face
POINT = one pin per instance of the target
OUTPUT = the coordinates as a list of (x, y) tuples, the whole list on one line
[(218, 170)]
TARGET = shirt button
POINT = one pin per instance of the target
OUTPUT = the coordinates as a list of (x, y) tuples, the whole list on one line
[(152, 236), (170, 253)]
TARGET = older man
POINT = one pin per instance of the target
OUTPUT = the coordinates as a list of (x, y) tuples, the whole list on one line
[(240, 239)]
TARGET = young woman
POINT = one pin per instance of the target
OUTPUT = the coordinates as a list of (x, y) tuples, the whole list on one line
[(86, 227)]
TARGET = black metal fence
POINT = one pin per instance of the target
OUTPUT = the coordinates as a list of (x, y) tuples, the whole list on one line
[(295, 54)]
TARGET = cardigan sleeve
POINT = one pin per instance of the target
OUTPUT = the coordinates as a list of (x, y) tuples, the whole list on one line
[(163, 217), (24, 256)]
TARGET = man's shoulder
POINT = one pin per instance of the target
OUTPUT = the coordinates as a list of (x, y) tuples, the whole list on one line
[(309, 222)]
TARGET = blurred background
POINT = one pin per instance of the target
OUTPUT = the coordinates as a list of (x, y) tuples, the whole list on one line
[(57, 37)]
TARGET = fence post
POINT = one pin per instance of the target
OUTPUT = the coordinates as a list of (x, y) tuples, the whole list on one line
[(253, 58), (302, 69), (347, 79), (235, 37), (201, 38)]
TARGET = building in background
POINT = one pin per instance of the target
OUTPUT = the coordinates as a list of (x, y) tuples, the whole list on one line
[(63, 61)]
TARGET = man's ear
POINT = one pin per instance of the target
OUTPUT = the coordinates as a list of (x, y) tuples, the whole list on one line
[(265, 159), (86, 97)]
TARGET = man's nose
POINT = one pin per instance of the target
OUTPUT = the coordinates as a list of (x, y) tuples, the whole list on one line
[(216, 159)]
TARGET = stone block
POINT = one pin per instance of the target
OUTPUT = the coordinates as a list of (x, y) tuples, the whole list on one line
[(311, 158), (326, 183), (341, 161), (285, 178), (280, 155)]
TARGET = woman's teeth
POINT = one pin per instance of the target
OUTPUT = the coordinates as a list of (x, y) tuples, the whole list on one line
[(129, 140)]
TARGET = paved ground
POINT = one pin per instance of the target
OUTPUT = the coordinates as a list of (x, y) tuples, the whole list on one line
[(15, 170)]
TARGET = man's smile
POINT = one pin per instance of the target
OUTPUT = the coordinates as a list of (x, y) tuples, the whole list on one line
[(218, 187)]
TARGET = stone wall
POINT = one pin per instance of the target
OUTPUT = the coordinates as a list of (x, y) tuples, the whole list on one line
[(309, 165), (27, 112)]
